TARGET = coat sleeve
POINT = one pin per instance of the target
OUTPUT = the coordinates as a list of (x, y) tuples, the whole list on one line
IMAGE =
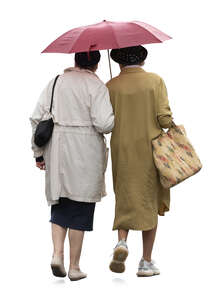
[(101, 110), (41, 108), (164, 114)]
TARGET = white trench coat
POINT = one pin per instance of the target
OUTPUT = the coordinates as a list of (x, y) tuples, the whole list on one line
[(76, 155)]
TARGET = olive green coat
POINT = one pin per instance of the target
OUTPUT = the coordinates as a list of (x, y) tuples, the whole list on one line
[(141, 108)]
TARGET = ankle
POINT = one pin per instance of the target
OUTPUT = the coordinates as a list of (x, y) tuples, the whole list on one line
[(123, 239), (58, 254), (74, 267), (148, 259)]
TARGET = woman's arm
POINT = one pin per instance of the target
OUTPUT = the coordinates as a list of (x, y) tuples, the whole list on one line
[(41, 108), (34, 120), (101, 110), (164, 114)]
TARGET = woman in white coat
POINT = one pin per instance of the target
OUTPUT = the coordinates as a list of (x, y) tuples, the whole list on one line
[(75, 157)]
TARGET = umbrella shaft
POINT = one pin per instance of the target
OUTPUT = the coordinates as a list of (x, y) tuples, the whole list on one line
[(109, 63)]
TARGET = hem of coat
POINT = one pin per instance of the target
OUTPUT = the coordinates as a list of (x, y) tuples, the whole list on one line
[(161, 212), (76, 198), (134, 228)]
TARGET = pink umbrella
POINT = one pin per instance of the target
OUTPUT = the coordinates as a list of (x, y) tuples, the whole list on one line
[(106, 35)]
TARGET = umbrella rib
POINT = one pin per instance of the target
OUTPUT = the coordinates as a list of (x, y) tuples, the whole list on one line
[(79, 36), (113, 32), (147, 30)]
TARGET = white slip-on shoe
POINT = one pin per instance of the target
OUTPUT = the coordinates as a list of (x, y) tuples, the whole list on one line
[(74, 275), (147, 268), (57, 266), (119, 256)]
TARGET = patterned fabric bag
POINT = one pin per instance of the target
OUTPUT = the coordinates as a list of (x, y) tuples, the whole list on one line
[(174, 156)]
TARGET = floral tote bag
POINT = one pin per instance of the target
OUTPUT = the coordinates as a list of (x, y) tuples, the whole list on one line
[(174, 156)]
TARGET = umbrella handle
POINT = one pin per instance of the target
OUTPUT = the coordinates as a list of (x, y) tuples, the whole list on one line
[(109, 62)]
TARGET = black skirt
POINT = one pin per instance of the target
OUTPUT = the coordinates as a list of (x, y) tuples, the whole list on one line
[(73, 214)]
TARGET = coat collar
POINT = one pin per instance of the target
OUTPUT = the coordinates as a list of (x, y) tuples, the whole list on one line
[(76, 69), (132, 70)]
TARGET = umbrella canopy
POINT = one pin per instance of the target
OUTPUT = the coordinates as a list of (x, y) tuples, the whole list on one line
[(106, 35)]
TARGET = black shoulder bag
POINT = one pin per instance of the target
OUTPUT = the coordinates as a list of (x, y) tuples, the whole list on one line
[(44, 129)]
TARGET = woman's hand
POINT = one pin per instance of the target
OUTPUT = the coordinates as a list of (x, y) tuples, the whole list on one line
[(41, 165)]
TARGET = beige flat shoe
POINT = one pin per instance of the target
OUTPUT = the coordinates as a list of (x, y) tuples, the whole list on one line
[(119, 256), (74, 275), (57, 266)]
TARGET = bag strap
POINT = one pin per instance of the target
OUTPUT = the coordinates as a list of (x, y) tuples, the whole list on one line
[(52, 95)]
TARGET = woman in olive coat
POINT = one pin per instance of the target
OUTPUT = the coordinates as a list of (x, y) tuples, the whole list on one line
[(141, 109)]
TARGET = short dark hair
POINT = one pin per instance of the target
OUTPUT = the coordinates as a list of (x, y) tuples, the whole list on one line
[(87, 60), (91, 68)]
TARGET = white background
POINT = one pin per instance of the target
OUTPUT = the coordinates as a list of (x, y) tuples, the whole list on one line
[(186, 245)]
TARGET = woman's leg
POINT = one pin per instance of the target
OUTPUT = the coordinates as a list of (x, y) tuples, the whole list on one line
[(122, 234), (120, 252), (58, 238), (148, 242), (76, 241)]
